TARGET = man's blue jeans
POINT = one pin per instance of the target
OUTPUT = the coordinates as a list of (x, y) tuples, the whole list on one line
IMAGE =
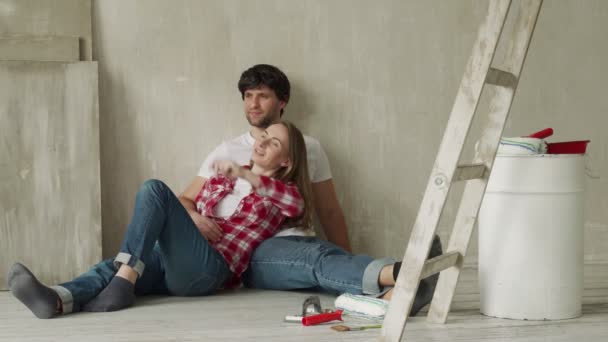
[(303, 262), (163, 246)]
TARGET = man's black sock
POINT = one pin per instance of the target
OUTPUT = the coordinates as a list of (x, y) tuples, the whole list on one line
[(396, 268), (119, 294), (426, 288), (435, 251), (40, 299)]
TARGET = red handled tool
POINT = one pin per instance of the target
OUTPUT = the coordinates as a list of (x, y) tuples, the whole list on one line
[(322, 318), (547, 132)]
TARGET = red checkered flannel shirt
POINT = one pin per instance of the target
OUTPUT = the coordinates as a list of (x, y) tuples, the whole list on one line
[(257, 217)]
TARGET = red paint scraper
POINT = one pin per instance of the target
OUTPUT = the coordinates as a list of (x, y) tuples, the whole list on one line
[(322, 318)]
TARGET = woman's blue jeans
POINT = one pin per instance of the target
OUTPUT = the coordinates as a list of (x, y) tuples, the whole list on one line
[(163, 246)]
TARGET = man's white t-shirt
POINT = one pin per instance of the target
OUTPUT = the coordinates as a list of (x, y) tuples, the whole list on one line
[(240, 149)]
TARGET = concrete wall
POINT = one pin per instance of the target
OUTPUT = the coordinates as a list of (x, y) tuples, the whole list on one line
[(373, 81)]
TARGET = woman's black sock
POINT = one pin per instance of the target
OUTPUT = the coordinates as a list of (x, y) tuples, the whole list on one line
[(40, 299), (119, 294)]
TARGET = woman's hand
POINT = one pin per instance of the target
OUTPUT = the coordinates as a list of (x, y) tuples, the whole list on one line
[(208, 228), (233, 170), (228, 168)]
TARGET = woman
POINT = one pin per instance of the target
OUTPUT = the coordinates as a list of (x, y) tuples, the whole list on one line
[(248, 203)]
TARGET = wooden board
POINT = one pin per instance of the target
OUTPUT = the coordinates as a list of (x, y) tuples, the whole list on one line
[(39, 48), (50, 216), (49, 18)]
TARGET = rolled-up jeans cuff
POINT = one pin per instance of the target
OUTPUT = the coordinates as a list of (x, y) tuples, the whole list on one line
[(371, 275), (67, 301), (127, 259)]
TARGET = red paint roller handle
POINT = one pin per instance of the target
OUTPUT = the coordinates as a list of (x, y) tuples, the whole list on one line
[(322, 318), (547, 132)]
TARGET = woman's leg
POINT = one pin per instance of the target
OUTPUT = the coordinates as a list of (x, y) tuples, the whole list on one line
[(151, 282), (190, 265), (148, 221), (71, 296), (100, 289)]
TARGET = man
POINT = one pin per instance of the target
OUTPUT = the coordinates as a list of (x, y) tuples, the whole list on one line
[(264, 106), (295, 258)]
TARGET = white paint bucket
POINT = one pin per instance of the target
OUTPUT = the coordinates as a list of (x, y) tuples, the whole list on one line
[(531, 238)]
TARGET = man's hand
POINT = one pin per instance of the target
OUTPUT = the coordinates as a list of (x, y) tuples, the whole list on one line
[(227, 168), (210, 230)]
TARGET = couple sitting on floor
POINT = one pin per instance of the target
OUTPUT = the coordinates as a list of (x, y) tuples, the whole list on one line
[(245, 218)]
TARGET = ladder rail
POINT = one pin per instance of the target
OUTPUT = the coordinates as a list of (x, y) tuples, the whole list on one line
[(500, 105), (440, 180)]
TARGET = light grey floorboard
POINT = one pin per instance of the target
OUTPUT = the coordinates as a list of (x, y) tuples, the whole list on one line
[(251, 315)]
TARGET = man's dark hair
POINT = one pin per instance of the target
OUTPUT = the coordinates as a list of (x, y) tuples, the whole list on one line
[(265, 75)]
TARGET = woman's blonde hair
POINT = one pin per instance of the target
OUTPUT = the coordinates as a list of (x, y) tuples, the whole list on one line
[(297, 172)]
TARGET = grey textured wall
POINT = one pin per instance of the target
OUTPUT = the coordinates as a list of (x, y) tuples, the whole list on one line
[(373, 81)]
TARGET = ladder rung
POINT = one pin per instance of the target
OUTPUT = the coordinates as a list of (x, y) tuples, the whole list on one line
[(470, 171), (501, 78), (440, 263)]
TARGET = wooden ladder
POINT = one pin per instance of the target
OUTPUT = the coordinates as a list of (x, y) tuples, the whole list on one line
[(446, 169)]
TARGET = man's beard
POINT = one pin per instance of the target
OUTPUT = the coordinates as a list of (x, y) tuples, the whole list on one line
[(264, 123)]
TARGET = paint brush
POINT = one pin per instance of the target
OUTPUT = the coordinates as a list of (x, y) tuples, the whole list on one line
[(342, 328)]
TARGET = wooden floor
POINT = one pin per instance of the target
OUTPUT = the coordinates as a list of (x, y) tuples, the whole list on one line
[(251, 315)]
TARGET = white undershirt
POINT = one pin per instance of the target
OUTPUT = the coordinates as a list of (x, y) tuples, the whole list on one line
[(227, 206)]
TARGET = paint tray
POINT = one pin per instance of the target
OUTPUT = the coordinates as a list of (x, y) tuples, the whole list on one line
[(568, 147)]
